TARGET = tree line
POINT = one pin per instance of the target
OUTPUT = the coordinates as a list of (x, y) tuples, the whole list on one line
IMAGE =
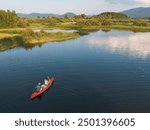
[(10, 19)]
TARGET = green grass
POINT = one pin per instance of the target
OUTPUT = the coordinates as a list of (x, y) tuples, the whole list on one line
[(116, 25), (131, 28), (31, 37), (28, 37), (4, 35)]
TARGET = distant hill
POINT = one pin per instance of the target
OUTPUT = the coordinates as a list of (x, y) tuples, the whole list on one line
[(113, 15), (35, 15), (140, 12)]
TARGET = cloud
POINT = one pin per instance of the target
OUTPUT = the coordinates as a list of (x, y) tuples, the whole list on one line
[(135, 44), (120, 1), (143, 1), (129, 2)]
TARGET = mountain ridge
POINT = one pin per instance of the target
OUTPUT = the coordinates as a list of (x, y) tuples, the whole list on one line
[(139, 12), (35, 15)]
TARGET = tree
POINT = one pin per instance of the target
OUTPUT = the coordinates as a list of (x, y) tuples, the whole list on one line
[(23, 22), (8, 18), (113, 15), (140, 23), (106, 23), (83, 16), (66, 17)]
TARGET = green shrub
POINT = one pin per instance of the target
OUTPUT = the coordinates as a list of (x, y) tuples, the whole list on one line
[(106, 23), (140, 23), (113, 15), (88, 22), (22, 23)]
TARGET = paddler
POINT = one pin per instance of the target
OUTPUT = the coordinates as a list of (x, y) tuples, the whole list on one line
[(38, 87)]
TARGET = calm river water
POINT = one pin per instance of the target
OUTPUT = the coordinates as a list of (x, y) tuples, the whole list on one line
[(100, 72)]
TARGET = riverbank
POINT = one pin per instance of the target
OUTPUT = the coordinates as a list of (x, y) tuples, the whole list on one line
[(13, 38), (37, 37), (31, 37), (127, 27)]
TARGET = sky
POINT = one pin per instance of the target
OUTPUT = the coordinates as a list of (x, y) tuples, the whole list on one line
[(89, 7)]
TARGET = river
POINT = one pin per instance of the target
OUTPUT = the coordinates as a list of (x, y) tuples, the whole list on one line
[(104, 71)]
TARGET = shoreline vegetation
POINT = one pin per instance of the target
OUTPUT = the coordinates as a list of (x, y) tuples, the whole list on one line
[(16, 31), (29, 38)]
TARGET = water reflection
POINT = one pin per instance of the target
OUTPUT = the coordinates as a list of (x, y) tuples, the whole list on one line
[(10, 43), (8, 46), (133, 44)]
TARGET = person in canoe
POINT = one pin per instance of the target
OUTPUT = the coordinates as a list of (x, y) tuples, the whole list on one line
[(46, 82), (38, 87)]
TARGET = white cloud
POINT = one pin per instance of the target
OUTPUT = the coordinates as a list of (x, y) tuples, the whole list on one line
[(143, 1), (129, 2), (136, 44)]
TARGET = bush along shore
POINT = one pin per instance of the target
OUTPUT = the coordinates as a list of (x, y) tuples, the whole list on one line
[(29, 37)]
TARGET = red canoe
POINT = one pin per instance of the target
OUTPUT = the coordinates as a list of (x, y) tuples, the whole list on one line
[(36, 94)]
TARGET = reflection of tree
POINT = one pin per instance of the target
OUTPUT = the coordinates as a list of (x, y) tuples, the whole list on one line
[(106, 30), (12, 42), (31, 46)]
